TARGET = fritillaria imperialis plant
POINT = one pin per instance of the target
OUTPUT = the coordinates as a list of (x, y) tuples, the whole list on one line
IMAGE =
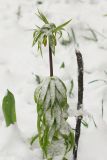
[(55, 134)]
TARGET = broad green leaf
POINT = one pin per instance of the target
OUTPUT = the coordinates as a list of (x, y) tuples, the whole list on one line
[(61, 100), (8, 107), (52, 116), (60, 86), (47, 101), (43, 90)]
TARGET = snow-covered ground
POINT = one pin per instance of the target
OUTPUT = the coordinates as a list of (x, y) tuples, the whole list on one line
[(19, 63)]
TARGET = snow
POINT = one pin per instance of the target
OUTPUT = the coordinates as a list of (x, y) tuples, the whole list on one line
[(19, 62)]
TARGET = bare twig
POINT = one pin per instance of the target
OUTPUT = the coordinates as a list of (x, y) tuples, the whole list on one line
[(80, 102)]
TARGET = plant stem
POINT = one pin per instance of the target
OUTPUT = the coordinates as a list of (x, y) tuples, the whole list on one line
[(50, 61), (80, 102)]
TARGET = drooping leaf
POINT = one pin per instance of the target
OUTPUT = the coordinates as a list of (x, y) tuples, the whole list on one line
[(45, 41), (44, 90), (61, 87), (52, 116), (52, 91), (8, 107), (36, 38)]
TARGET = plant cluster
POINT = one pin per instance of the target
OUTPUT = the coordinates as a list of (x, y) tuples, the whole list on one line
[(52, 108)]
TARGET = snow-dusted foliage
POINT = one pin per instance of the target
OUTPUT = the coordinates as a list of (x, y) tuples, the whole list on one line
[(52, 108)]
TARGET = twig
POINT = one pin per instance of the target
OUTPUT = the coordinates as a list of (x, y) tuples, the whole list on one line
[(80, 102)]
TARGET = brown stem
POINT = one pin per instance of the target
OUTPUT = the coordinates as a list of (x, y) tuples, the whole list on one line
[(50, 61), (80, 102)]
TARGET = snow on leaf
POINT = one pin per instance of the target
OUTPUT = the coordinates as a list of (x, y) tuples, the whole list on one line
[(57, 115), (65, 127), (52, 91), (60, 86), (47, 101), (36, 94), (44, 90)]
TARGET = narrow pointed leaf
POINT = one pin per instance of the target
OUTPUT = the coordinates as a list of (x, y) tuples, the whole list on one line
[(61, 26), (42, 17)]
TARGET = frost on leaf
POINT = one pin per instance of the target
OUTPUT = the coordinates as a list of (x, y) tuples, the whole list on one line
[(52, 91), (52, 108)]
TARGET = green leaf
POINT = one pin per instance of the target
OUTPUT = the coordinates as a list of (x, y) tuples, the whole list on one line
[(33, 139), (84, 123), (37, 93), (45, 41), (60, 34), (60, 27), (34, 33), (36, 38), (43, 90), (8, 107), (71, 87), (40, 47), (62, 65), (42, 17), (52, 118), (69, 141), (61, 87)]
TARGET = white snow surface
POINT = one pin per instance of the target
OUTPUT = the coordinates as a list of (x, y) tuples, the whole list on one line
[(19, 62)]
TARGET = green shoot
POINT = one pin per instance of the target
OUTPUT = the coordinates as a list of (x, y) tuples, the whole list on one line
[(47, 33)]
